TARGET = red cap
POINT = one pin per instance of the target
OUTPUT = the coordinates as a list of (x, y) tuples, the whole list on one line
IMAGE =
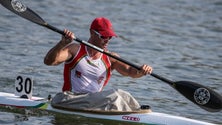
[(103, 26)]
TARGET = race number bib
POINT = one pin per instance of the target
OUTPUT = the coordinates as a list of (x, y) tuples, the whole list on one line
[(23, 86)]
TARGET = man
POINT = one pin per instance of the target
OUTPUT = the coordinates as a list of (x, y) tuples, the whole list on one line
[(87, 71)]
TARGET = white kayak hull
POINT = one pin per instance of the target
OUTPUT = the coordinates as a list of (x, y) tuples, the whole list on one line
[(154, 118)]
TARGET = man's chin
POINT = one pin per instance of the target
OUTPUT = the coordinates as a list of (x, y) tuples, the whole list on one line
[(104, 47)]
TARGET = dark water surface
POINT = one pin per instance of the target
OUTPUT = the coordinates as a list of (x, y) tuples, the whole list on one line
[(180, 39)]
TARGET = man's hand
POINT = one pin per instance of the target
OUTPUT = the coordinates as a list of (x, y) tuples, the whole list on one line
[(68, 38), (145, 69)]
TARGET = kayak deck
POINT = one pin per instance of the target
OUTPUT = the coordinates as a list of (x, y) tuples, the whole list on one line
[(142, 116), (114, 112)]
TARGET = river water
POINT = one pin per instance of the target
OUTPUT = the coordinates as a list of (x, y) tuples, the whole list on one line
[(180, 39)]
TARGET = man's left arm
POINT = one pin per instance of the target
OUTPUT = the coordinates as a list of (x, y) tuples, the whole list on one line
[(130, 71)]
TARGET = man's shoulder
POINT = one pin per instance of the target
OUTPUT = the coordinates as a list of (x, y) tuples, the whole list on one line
[(114, 54), (73, 48)]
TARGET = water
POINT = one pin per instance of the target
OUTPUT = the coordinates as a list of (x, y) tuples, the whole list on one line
[(180, 39)]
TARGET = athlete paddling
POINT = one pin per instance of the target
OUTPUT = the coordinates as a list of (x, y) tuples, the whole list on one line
[(87, 71)]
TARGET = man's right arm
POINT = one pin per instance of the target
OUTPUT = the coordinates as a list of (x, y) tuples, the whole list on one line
[(60, 52)]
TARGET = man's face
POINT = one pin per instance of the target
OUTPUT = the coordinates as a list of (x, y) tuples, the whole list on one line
[(101, 41)]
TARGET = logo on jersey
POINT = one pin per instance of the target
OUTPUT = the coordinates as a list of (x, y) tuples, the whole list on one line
[(78, 74), (100, 79)]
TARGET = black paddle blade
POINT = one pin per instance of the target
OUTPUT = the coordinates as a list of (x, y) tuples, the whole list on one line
[(20, 9), (202, 96)]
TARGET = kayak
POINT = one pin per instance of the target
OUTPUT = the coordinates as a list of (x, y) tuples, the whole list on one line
[(145, 116)]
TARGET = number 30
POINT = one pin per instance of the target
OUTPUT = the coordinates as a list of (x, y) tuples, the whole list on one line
[(24, 84)]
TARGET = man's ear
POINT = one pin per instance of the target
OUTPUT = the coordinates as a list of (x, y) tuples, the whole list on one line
[(91, 32)]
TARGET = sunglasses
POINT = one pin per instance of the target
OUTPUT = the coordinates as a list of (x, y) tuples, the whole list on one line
[(102, 37)]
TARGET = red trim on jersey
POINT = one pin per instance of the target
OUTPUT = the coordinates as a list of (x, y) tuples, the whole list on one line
[(69, 66), (107, 63)]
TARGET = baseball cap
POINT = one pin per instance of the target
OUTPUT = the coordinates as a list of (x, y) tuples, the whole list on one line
[(103, 26)]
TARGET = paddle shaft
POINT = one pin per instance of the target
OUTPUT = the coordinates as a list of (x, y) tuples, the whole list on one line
[(108, 54), (92, 46)]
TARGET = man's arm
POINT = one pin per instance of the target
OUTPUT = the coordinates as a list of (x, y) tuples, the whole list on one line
[(61, 51), (127, 70)]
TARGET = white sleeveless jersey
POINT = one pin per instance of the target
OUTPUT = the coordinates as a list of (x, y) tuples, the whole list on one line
[(86, 75)]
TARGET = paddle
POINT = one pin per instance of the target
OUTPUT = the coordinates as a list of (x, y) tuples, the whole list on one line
[(204, 97)]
